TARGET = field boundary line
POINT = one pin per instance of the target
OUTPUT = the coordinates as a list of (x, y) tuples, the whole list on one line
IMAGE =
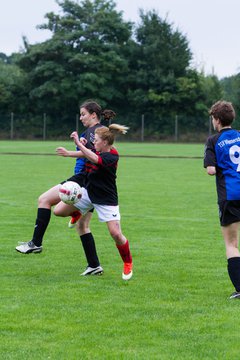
[(123, 156)]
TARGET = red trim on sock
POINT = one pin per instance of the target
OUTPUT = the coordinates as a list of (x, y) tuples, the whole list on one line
[(75, 213)]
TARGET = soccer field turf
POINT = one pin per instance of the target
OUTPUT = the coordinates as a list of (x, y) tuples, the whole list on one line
[(175, 307)]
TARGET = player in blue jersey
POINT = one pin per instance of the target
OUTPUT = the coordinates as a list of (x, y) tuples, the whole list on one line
[(79, 168), (90, 115), (222, 159)]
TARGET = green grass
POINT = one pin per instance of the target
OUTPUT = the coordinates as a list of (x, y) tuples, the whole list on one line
[(175, 307), (147, 149)]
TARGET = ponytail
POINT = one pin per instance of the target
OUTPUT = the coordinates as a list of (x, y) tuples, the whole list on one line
[(108, 114), (118, 129), (108, 133)]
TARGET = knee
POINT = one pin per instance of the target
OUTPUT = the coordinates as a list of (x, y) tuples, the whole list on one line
[(116, 235), (41, 200), (44, 201), (83, 227), (56, 211)]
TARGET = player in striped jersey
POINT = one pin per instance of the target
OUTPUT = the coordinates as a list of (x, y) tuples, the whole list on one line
[(90, 115), (100, 190)]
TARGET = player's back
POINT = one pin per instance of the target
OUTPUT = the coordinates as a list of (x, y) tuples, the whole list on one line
[(227, 150)]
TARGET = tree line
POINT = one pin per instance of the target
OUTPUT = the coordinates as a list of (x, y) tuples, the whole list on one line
[(134, 69)]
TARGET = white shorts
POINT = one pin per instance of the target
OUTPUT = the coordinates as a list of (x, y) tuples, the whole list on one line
[(105, 212)]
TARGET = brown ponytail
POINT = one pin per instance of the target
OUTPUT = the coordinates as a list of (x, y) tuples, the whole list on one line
[(108, 114)]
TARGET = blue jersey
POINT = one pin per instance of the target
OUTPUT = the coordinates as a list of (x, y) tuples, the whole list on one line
[(223, 151), (88, 134), (80, 162)]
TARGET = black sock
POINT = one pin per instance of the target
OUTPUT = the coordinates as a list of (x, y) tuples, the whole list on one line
[(234, 272), (88, 244), (43, 218)]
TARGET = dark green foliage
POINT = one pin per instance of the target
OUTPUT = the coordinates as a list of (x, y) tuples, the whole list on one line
[(231, 88), (82, 59), (93, 53)]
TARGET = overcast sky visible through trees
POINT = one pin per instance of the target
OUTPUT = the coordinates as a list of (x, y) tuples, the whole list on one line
[(211, 27)]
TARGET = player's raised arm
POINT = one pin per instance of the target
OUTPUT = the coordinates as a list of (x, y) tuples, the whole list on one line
[(61, 151), (88, 154)]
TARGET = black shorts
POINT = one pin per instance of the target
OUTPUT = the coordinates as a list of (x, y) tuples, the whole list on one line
[(79, 179), (229, 212)]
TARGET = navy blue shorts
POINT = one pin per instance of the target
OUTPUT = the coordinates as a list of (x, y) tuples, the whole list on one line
[(229, 212)]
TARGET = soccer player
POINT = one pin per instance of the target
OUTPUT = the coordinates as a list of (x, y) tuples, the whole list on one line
[(90, 115), (100, 191), (222, 159)]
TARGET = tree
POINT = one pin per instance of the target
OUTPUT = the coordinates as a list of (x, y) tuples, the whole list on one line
[(165, 84), (231, 92), (94, 53), (161, 56), (83, 59), (11, 79)]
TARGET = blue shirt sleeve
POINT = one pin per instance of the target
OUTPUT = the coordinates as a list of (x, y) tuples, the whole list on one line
[(80, 162)]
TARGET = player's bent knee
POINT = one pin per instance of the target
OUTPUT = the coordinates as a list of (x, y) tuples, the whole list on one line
[(83, 229), (56, 212), (42, 200), (40, 197), (116, 235)]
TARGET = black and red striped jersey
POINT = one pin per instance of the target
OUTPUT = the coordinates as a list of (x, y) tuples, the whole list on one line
[(101, 178)]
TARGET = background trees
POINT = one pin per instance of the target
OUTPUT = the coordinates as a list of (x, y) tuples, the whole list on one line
[(84, 58), (133, 69)]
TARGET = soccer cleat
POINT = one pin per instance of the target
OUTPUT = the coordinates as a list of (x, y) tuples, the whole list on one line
[(74, 219), (235, 295), (28, 247), (127, 271), (93, 271)]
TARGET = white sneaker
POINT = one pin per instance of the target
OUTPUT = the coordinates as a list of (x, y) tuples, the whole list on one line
[(93, 271), (127, 271), (235, 295), (28, 247)]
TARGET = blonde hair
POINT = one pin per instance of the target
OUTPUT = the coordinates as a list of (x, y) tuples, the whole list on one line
[(109, 133)]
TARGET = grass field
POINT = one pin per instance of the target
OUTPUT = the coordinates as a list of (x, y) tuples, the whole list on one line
[(175, 307)]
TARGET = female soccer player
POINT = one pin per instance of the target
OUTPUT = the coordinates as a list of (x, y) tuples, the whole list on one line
[(90, 115), (222, 158), (100, 191)]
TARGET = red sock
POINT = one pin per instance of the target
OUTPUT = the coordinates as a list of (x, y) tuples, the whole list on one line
[(125, 253), (75, 214)]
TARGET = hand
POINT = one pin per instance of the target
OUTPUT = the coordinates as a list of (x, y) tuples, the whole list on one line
[(61, 151), (83, 141), (75, 137), (211, 170)]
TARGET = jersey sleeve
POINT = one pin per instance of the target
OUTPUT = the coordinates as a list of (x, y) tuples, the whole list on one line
[(107, 159), (209, 154)]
